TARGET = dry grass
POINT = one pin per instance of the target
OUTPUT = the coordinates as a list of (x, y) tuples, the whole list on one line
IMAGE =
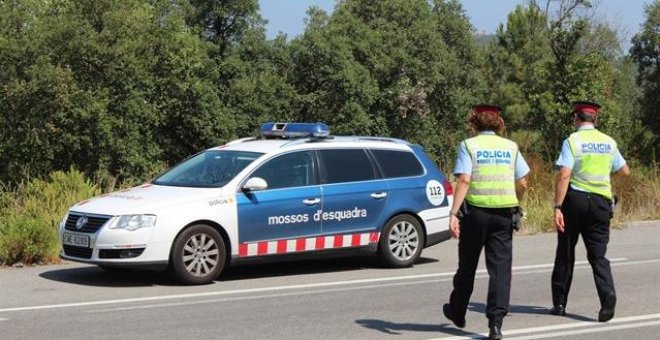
[(539, 197), (639, 196), (29, 214)]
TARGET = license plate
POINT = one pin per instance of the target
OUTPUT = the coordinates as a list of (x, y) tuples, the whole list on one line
[(75, 240)]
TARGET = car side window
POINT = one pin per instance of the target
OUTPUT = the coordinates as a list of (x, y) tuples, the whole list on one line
[(395, 163), (294, 169), (346, 165)]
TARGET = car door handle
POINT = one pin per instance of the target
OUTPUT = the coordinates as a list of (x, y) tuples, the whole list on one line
[(378, 195), (312, 201)]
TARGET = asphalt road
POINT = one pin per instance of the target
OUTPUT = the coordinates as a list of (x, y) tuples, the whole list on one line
[(333, 299)]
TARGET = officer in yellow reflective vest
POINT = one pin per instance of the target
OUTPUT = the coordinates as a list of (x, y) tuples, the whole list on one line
[(491, 180), (583, 206)]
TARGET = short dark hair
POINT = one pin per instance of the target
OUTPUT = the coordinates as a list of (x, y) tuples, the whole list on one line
[(585, 117)]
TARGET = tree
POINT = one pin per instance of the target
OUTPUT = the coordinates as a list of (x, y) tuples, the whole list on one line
[(645, 51), (223, 22), (547, 57), (250, 73), (193, 115), (391, 68), (115, 88)]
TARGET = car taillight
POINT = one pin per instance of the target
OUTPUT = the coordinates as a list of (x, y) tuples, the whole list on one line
[(448, 189)]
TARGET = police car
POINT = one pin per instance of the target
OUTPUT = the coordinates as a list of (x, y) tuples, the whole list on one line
[(293, 191)]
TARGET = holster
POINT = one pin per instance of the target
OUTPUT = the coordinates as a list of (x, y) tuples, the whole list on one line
[(613, 202), (462, 211), (516, 217)]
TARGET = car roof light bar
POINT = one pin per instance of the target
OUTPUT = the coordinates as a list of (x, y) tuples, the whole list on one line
[(294, 130)]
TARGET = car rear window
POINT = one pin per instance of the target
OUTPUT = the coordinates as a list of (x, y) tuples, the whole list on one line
[(398, 163), (346, 165)]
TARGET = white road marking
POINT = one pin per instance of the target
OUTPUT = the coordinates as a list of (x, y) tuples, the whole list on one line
[(3, 319), (550, 265), (254, 297), (590, 330), (592, 326), (291, 287), (221, 293), (482, 275)]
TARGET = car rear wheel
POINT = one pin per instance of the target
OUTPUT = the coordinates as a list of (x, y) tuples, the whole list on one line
[(198, 255), (401, 242)]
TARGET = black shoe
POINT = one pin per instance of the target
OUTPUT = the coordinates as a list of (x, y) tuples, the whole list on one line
[(446, 310), (606, 312), (495, 333), (558, 310)]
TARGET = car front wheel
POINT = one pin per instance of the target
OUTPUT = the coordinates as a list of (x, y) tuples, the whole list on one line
[(198, 255), (401, 242)]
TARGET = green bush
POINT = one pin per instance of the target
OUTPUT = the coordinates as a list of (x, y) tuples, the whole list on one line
[(28, 240), (31, 214)]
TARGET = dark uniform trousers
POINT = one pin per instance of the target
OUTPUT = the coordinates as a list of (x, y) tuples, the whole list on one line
[(489, 228), (588, 215)]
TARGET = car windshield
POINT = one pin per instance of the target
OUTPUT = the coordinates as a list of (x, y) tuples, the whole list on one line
[(209, 169)]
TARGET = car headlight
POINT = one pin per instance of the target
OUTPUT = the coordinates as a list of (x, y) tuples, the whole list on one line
[(134, 222)]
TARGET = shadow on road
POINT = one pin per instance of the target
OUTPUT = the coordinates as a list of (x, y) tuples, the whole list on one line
[(521, 309), (394, 328), (95, 276), (304, 267)]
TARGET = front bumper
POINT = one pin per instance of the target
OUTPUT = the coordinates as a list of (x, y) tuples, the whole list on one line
[(115, 247)]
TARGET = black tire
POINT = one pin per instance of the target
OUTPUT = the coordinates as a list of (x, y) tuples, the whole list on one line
[(401, 241), (198, 255)]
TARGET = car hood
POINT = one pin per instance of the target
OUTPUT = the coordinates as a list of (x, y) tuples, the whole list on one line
[(145, 199)]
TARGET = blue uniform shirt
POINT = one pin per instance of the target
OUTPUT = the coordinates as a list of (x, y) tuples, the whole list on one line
[(464, 161), (566, 156)]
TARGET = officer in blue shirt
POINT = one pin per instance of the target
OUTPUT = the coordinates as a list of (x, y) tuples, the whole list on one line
[(464, 162), (491, 176), (583, 206)]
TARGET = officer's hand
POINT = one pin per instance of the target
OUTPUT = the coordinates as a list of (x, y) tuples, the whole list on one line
[(559, 221), (454, 226)]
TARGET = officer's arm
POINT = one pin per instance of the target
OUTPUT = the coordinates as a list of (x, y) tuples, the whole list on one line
[(625, 170), (462, 185), (561, 186), (521, 186), (521, 172)]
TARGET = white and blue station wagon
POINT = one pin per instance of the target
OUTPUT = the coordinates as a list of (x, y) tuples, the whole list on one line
[(293, 191)]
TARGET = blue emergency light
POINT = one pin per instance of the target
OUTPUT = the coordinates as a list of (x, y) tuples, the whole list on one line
[(294, 130)]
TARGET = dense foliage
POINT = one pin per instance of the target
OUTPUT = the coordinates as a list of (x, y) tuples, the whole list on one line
[(646, 54), (117, 90), (541, 62), (122, 88)]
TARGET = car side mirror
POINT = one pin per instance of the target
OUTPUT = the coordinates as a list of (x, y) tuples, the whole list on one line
[(254, 184)]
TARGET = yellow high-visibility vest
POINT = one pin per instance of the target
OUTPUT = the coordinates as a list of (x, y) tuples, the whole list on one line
[(492, 182), (593, 152)]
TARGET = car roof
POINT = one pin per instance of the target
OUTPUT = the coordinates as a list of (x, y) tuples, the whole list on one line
[(274, 145)]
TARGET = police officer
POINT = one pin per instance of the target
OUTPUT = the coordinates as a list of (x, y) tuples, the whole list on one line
[(491, 176), (583, 206)]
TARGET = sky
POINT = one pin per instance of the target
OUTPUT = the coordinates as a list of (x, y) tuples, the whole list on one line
[(287, 16)]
